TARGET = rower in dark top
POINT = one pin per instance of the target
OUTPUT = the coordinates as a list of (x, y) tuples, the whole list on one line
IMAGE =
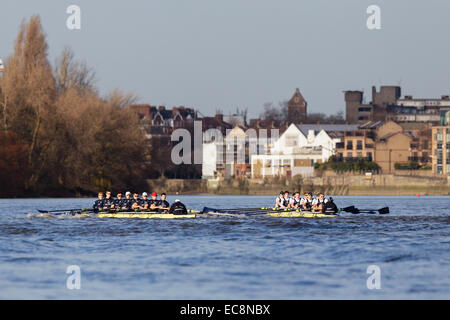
[(108, 202), (178, 208), (163, 204), (98, 204), (118, 202), (145, 201), (136, 203), (126, 203), (154, 202)]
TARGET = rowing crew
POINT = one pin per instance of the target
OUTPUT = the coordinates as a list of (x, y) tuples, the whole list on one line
[(136, 203), (318, 204)]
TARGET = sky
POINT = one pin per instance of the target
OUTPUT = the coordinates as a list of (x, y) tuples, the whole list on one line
[(228, 54)]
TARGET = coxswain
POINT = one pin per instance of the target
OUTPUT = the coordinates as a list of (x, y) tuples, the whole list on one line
[(136, 203), (108, 201), (330, 206), (98, 204), (154, 203), (178, 208), (306, 202), (318, 205), (163, 204)]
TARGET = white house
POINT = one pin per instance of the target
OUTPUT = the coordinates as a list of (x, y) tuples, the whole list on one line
[(298, 148)]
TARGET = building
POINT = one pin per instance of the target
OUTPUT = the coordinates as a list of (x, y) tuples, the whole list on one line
[(298, 149), (387, 104), (297, 108), (358, 112), (359, 143), (441, 150), (230, 157), (441, 144)]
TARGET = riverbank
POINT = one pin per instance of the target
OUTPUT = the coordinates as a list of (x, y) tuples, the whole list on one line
[(357, 185)]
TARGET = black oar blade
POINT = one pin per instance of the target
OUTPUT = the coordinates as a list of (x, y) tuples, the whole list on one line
[(349, 209), (384, 210)]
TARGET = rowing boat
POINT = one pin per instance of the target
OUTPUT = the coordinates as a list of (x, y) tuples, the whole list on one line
[(301, 214), (134, 215)]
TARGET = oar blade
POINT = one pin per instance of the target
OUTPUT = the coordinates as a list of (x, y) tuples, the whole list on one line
[(384, 210)]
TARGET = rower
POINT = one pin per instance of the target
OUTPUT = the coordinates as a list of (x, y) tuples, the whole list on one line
[(108, 202), (295, 201), (136, 203), (154, 203), (286, 200), (126, 204), (163, 204), (118, 202), (306, 202), (178, 208), (279, 200), (145, 202), (98, 204), (318, 204)]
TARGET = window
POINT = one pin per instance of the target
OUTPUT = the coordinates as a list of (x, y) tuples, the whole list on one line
[(359, 154), (340, 155), (369, 156), (359, 145), (448, 169), (350, 145), (349, 155), (291, 141), (439, 169), (439, 146)]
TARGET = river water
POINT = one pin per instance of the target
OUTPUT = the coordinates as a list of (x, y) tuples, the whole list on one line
[(258, 257)]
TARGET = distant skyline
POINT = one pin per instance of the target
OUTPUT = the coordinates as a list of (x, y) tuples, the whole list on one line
[(241, 54)]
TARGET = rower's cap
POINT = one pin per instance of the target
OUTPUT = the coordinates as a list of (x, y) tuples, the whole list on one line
[(177, 200), (144, 194), (154, 194), (128, 193), (281, 192)]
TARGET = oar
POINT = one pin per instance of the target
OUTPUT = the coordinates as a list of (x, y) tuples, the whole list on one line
[(61, 210), (384, 210)]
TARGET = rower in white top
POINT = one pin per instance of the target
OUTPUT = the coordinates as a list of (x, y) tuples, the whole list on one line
[(318, 204)]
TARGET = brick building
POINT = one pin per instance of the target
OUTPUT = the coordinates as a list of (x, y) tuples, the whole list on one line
[(387, 105), (297, 108)]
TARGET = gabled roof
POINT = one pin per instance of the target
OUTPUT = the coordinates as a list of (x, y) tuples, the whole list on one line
[(304, 128), (371, 125), (389, 135)]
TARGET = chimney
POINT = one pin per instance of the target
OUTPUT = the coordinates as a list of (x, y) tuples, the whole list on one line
[(161, 108), (219, 117)]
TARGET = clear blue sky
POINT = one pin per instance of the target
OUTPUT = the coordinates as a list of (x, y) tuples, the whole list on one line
[(242, 53)]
